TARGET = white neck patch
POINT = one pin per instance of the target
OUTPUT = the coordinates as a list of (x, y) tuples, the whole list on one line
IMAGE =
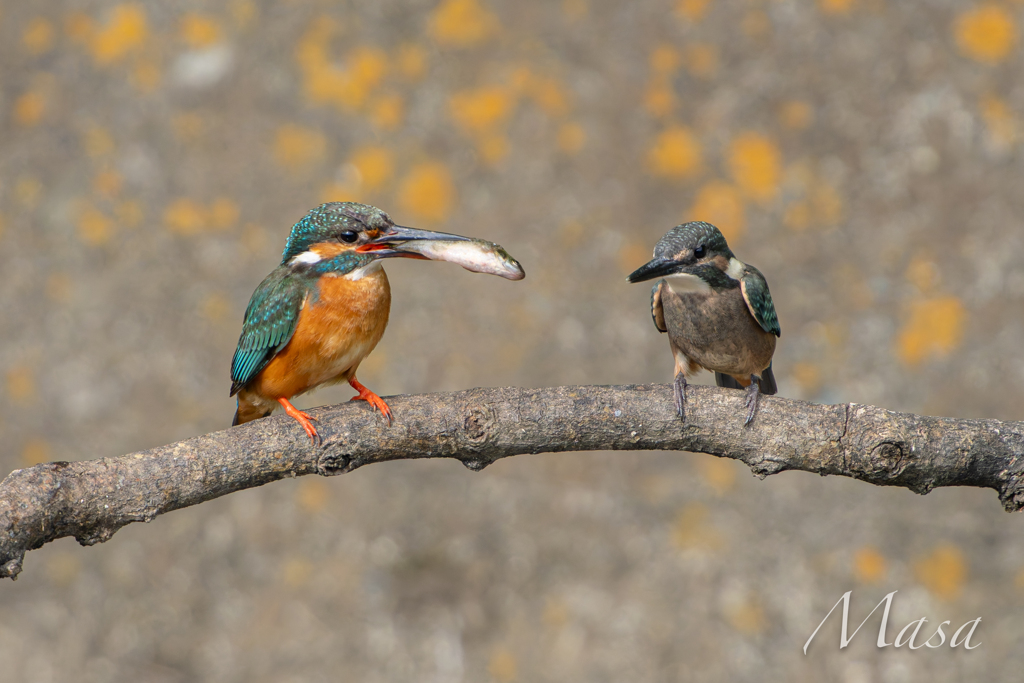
[(306, 257), (735, 269)]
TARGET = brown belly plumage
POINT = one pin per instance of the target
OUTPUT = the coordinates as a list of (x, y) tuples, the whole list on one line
[(715, 330)]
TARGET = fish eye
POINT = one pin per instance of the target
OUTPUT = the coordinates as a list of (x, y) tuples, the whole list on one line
[(699, 251), (349, 236)]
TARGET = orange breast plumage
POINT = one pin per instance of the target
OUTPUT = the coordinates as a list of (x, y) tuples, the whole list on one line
[(340, 323)]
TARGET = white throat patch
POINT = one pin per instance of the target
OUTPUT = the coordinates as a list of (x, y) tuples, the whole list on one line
[(369, 269), (683, 283)]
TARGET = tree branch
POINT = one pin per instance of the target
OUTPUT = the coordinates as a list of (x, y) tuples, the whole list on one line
[(92, 499)]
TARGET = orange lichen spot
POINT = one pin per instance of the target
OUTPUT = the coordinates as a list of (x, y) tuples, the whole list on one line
[(481, 110), (869, 565), (215, 307), (461, 23), (94, 228), (797, 216), (146, 75), (21, 385), (943, 572), (631, 255), (411, 61), (35, 451), (675, 153), (366, 67), (721, 204), (223, 213), (492, 148), (571, 137), (347, 86), (312, 495), (756, 165), (659, 98), (129, 213), (296, 572), (29, 108), (60, 287), (28, 190), (1000, 122), (923, 274), (574, 10), (107, 183), (38, 36), (693, 530), (718, 473), (375, 165), (556, 613), (746, 616), (986, 33), (97, 141), (693, 10), (796, 114), (701, 60), (502, 666), (188, 126), (836, 6), (244, 13), (296, 147), (808, 376), (756, 24), (185, 217), (665, 59), (79, 27), (827, 204), (550, 95), (125, 32), (199, 31), (388, 111), (935, 328), (427, 192)]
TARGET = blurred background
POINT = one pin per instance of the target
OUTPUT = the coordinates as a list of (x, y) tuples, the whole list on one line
[(866, 155)]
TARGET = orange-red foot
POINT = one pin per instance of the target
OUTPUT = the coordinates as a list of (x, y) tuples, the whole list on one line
[(304, 419), (371, 398)]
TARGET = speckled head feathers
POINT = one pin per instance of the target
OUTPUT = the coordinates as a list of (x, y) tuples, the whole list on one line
[(688, 236), (327, 221)]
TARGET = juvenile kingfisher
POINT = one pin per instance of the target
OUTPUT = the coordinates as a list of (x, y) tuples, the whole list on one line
[(320, 312), (716, 309)]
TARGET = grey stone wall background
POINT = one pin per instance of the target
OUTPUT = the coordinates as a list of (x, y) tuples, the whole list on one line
[(864, 154)]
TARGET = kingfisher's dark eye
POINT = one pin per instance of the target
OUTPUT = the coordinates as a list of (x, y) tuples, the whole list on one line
[(349, 236), (699, 251)]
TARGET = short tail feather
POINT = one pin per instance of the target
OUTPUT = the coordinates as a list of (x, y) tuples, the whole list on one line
[(768, 385)]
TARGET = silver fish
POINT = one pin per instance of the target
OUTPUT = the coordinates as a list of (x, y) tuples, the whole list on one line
[(477, 256)]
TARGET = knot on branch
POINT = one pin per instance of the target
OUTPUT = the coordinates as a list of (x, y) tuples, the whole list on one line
[(332, 464), (478, 429), (888, 456)]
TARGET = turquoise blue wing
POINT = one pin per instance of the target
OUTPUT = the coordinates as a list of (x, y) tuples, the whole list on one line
[(269, 325), (759, 300)]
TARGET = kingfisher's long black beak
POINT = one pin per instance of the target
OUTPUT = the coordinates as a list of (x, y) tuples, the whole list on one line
[(388, 243), (656, 267)]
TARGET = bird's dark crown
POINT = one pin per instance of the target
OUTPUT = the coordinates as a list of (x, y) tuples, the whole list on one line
[(691, 242), (327, 222)]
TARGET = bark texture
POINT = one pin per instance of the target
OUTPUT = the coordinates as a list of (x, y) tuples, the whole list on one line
[(92, 499)]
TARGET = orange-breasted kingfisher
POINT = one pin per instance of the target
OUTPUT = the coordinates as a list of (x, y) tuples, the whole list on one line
[(717, 311), (320, 312)]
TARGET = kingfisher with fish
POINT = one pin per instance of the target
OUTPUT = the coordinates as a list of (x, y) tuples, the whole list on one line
[(717, 311), (313, 320)]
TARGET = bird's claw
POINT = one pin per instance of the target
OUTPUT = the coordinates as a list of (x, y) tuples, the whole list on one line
[(373, 399), (753, 392), (304, 419), (679, 394)]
